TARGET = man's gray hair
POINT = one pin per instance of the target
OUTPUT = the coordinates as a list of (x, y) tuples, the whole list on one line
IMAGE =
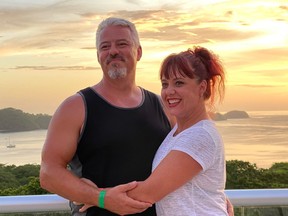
[(114, 21)]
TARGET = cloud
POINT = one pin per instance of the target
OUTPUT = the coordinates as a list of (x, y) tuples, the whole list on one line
[(75, 68), (177, 26), (258, 86), (284, 7), (281, 53), (275, 59), (63, 23), (71, 25), (89, 48)]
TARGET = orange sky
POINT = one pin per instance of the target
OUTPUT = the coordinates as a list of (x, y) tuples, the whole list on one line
[(47, 48)]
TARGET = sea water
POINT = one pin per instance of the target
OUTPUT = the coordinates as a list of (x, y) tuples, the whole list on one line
[(261, 139), (27, 150)]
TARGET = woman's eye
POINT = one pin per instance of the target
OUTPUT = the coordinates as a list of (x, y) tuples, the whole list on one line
[(164, 85), (179, 83)]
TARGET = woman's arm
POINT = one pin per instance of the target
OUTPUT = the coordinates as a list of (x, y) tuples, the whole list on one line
[(175, 169)]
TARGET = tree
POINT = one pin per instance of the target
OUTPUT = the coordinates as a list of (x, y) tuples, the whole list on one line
[(24, 172), (7, 179), (24, 179), (242, 175), (20, 180)]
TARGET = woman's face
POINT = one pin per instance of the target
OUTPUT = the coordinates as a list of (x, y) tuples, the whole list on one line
[(183, 96)]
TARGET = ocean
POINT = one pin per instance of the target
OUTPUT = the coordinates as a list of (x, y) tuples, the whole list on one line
[(261, 139)]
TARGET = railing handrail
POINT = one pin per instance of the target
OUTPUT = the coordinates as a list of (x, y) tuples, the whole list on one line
[(53, 202), (258, 197), (33, 203)]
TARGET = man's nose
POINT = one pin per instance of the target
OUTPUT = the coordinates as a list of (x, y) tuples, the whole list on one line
[(113, 50)]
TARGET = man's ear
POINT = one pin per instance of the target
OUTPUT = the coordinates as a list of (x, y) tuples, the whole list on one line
[(139, 53), (98, 57)]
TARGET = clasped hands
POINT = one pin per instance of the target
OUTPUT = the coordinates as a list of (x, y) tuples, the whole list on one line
[(116, 199)]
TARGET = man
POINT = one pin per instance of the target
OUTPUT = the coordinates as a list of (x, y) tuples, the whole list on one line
[(113, 129), (107, 133)]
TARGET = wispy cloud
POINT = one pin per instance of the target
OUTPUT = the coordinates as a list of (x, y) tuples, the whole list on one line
[(56, 68), (258, 86), (271, 59), (59, 35)]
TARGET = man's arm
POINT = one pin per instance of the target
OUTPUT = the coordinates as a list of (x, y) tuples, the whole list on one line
[(59, 148)]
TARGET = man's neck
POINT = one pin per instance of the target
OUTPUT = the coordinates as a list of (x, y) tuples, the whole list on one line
[(120, 93)]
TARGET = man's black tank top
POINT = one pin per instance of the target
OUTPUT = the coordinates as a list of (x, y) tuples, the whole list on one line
[(118, 145)]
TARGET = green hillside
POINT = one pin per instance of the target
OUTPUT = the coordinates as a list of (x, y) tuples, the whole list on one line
[(14, 120)]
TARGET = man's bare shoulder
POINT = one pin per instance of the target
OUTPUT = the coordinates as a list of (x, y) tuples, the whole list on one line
[(71, 107), (72, 102)]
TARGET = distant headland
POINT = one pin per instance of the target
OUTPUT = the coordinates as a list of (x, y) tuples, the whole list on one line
[(15, 120), (235, 114)]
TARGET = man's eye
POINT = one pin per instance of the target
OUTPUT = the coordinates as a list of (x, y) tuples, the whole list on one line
[(123, 44), (104, 47)]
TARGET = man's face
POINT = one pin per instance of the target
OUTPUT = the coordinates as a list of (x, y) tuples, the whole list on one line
[(117, 54)]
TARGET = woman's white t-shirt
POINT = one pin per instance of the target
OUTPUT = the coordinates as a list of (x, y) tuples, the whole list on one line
[(204, 194)]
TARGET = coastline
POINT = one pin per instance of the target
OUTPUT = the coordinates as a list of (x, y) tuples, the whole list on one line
[(261, 139)]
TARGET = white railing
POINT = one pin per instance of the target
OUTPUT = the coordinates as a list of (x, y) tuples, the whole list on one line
[(52, 202), (33, 203)]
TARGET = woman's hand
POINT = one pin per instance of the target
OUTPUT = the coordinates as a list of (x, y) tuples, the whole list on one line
[(230, 208)]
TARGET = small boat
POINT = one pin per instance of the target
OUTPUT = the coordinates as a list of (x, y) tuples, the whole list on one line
[(10, 145)]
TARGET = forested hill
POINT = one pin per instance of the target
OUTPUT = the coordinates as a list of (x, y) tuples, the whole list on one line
[(14, 120)]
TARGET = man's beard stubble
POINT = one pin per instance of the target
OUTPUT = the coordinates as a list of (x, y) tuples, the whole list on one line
[(117, 73)]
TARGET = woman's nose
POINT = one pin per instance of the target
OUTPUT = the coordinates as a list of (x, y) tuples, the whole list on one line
[(170, 90)]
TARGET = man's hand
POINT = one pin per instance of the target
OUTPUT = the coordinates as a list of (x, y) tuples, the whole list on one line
[(116, 199)]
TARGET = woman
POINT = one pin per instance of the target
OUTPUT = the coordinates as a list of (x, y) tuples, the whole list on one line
[(188, 175)]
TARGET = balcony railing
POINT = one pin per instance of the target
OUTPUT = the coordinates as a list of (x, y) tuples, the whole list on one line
[(52, 202)]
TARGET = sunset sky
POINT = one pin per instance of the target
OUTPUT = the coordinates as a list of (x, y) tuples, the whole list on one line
[(47, 47)]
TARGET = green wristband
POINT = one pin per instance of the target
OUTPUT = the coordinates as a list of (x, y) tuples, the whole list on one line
[(101, 198)]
